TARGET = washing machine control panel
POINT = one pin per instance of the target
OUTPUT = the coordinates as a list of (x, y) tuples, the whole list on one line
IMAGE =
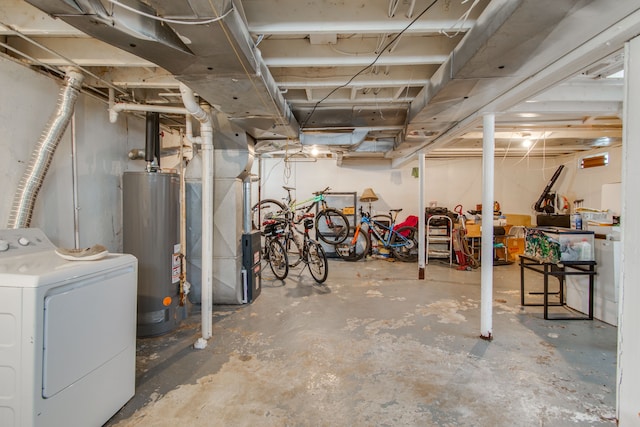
[(22, 241)]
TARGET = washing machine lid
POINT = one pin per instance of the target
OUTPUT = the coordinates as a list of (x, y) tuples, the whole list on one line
[(30, 261), (46, 268)]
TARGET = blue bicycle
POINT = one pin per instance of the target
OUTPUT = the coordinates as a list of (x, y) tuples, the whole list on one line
[(402, 242)]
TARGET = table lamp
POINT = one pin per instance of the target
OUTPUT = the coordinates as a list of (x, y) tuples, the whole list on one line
[(368, 196)]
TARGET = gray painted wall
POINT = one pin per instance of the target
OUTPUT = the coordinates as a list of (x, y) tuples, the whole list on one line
[(28, 101)]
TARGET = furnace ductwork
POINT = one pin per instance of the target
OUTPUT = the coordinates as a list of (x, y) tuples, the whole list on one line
[(33, 177)]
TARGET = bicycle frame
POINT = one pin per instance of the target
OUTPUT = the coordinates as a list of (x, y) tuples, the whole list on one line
[(289, 235), (400, 240), (332, 226), (388, 231), (293, 205)]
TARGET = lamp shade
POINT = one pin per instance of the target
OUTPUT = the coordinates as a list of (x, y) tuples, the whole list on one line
[(368, 196)]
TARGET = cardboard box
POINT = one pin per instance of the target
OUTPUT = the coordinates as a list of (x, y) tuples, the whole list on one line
[(515, 247), (517, 219), (473, 230)]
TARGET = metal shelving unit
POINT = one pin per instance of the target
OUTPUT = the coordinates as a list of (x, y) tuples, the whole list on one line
[(439, 238), (340, 201)]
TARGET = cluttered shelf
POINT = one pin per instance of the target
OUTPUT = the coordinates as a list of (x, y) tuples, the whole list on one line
[(508, 238)]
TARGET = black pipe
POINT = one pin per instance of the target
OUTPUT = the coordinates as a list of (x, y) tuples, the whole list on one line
[(149, 142), (538, 206), (156, 137)]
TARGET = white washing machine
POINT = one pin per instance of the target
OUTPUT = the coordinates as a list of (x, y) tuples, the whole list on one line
[(67, 334), (606, 285)]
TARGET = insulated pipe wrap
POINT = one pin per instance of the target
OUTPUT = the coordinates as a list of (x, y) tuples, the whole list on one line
[(42, 154)]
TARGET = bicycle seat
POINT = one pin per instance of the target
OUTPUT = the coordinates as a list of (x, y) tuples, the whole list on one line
[(395, 210), (273, 221), (288, 188)]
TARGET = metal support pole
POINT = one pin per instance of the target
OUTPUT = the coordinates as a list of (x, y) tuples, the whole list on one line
[(486, 285), (421, 219)]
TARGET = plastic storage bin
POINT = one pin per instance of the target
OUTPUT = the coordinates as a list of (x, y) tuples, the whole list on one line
[(557, 244)]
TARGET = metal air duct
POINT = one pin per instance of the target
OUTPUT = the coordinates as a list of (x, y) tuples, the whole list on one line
[(33, 177)]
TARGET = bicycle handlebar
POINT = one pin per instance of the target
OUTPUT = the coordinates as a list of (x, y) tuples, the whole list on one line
[(322, 192)]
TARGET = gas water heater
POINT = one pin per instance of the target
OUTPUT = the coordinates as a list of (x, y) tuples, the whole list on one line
[(151, 209)]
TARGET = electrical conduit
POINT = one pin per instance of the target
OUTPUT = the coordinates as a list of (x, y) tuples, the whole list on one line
[(203, 115)]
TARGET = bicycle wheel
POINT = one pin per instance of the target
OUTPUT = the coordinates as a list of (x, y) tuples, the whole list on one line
[(354, 248), (404, 244), (278, 260), (265, 209), (332, 226), (318, 262)]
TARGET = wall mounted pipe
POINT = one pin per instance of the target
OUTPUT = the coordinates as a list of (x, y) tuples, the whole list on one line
[(42, 154), (118, 107), (203, 115), (185, 287), (74, 184), (188, 131)]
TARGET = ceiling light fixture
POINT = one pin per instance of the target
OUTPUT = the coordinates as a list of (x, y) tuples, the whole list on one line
[(526, 143), (602, 142), (314, 151)]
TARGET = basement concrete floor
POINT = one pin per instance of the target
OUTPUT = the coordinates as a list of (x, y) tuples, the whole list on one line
[(375, 346)]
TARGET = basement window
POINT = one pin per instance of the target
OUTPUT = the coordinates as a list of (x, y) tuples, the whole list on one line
[(594, 161)]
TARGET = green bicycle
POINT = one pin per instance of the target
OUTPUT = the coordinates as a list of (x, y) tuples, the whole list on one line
[(332, 226)]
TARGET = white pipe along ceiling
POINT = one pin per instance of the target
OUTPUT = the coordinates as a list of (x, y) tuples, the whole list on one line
[(409, 76)]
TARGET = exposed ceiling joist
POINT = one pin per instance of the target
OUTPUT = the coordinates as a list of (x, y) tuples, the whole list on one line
[(272, 64)]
